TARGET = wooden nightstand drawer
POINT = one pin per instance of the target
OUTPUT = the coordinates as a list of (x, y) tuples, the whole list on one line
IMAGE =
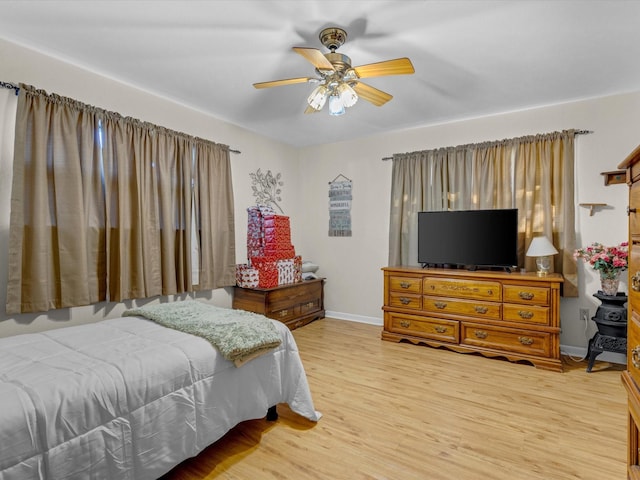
[(467, 308), (461, 288), (510, 340), (405, 300), (525, 314), (294, 304), (526, 294), (405, 284), (433, 328)]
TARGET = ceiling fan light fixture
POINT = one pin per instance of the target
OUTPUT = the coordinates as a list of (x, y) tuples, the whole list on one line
[(318, 97), (348, 95), (336, 107)]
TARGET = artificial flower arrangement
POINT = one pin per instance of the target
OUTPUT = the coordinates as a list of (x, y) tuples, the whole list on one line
[(609, 261)]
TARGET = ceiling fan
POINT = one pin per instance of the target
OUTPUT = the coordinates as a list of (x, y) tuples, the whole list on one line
[(339, 82)]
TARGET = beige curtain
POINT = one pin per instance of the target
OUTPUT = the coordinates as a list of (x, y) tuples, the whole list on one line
[(102, 207), (533, 174), (545, 191)]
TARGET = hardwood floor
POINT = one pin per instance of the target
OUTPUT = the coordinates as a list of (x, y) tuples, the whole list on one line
[(400, 411)]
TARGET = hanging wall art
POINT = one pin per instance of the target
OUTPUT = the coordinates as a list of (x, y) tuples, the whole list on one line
[(340, 196)]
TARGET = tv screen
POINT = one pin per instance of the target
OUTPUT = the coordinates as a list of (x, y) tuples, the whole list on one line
[(468, 238)]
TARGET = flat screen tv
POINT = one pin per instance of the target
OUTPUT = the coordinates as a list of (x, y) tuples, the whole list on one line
[(469, 239)]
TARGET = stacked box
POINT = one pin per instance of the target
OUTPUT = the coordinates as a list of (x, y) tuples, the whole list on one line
[(269, 248), (246, 276)]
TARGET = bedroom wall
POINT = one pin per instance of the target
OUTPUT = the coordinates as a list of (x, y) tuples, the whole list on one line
[(56, 76), (352, 264)]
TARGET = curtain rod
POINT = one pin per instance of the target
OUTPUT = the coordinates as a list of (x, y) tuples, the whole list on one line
[(10, 86), (16, 88), (577, 132)]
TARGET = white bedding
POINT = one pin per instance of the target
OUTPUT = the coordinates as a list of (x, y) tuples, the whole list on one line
[(129, 399)]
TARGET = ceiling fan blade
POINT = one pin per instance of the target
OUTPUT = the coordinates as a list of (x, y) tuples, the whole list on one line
[(277, 83), (371, 94), (399, 66), (314, 56), (310, 109)]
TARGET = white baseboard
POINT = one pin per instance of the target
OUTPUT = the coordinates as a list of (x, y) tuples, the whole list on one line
[(355, 318), (575, 352)]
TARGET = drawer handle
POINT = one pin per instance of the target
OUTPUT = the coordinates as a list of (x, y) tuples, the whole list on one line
[(630, 210), (405, 284), (480, 334), (405, 300), (405, 323), (525, 295), (525, 340), (440, 329), (490, 292), (525, 314), (635, 356), (440, 305), (635, 282), (480, 309), (283, 313), (311, 304)]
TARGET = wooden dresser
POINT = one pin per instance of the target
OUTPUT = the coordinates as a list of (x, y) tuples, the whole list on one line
[(497, 314), (631, 376), (295, 304)]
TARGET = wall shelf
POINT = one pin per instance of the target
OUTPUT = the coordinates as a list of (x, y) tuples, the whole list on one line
[(591, 206), (617, 176)]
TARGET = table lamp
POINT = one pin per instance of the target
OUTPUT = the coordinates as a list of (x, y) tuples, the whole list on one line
[(542, 249)]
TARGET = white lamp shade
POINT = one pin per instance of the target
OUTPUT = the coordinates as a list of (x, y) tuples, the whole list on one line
[(335, 105), (318, 97), (541, 247), (348, 95)]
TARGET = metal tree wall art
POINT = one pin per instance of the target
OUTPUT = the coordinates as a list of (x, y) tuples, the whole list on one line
[(266, 188)]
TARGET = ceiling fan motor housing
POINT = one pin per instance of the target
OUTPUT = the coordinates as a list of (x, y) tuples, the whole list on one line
[(333, 38)]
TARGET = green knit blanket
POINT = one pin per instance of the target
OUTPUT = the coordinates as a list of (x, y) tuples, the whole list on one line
[(237, 334)]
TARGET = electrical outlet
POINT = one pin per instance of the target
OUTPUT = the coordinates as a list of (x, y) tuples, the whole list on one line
[(584, 313)]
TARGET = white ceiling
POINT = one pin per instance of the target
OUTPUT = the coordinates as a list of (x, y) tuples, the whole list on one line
[(472, 57)]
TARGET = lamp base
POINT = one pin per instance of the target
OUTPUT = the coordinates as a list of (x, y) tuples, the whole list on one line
[(543, 264)]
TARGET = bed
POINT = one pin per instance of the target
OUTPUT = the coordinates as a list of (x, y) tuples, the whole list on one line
[(127, 398)]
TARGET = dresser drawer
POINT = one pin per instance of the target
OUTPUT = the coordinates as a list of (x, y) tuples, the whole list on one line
[(633, 346), (467, 308), (634, 217), (510, 340), (531, 314), (461, 288), (634, 276), (284, 314), (526, 294), (426, 327), (405, 284), (405, 300)]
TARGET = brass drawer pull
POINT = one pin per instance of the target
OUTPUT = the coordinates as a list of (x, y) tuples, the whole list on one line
[(440, 305), (525, 295), (635, 356), (405, 284), (480, 309), (440, 329), (480, 334), (525, 340), (311, 304), (405, 323), (635, 282), (525, 314), (283, 313), (405, 300)]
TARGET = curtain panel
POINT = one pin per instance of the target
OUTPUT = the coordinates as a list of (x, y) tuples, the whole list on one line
[(103, 208), (534, 174)]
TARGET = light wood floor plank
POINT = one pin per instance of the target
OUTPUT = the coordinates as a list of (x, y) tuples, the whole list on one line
[(395, 411)]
